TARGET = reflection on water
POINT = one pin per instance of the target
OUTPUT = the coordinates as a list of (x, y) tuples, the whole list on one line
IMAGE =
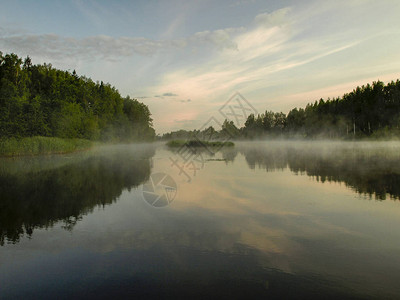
[(365, 167), (235, 231), (41, 194)]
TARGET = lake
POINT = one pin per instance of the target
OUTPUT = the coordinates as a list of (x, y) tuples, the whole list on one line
[(272, 220)]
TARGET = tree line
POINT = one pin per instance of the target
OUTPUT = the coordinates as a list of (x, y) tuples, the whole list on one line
[(367, 111), (39, 100)]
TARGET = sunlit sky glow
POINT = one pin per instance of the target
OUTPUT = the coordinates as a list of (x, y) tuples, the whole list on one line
[(185, 59)]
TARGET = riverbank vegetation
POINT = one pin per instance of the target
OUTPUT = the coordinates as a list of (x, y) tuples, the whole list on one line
[(41, 101), (41, 145), (370, 111)]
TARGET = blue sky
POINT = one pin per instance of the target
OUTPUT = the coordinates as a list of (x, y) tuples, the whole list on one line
[(185, 59)]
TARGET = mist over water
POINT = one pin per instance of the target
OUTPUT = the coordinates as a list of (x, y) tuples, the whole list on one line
[(277, 219), (370, 168), (38, 192)]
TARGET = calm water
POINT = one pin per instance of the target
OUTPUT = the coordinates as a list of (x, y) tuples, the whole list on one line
[(271, 220)]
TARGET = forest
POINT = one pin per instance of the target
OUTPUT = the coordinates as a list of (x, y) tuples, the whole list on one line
[(39, 100), (370, 111)]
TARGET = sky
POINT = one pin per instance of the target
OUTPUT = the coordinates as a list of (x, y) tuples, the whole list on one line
[(186, 59)]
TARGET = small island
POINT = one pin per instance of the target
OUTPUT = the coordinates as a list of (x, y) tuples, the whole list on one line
[(199, 143)]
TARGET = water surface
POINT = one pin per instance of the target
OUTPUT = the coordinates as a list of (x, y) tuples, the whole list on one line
[(262, 219)]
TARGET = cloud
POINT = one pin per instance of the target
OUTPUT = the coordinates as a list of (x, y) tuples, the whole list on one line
[(275, 18), (169, 95), (55, 46), (107, 47), (255, 59), (166, 95), (172, 95), (221, 38), (265, 60), (290, 51)]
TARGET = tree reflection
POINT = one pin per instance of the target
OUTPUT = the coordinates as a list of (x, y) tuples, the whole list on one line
[(229, 153), (41, 198), (367, 170)]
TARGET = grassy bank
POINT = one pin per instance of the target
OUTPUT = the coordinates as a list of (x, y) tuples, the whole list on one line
[(196, 143), (41, 145)]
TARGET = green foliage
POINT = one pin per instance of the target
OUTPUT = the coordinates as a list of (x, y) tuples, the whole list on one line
[(361, 113), (41, 145), (229, 130), (207, 134), (371, 111), (41, 100), (368, 111), (69, 122)]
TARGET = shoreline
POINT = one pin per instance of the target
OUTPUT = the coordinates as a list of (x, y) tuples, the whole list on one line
[(39, 145)]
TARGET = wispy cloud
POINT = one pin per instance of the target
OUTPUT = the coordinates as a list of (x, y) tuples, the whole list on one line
[(221, 38), (271, 58), (54, 46), (262, 52), (58, 47), (275, 18), (191, 62), (169, 95)]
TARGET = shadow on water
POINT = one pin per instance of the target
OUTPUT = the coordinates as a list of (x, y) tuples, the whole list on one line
[(38, 192), (367, 168)]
